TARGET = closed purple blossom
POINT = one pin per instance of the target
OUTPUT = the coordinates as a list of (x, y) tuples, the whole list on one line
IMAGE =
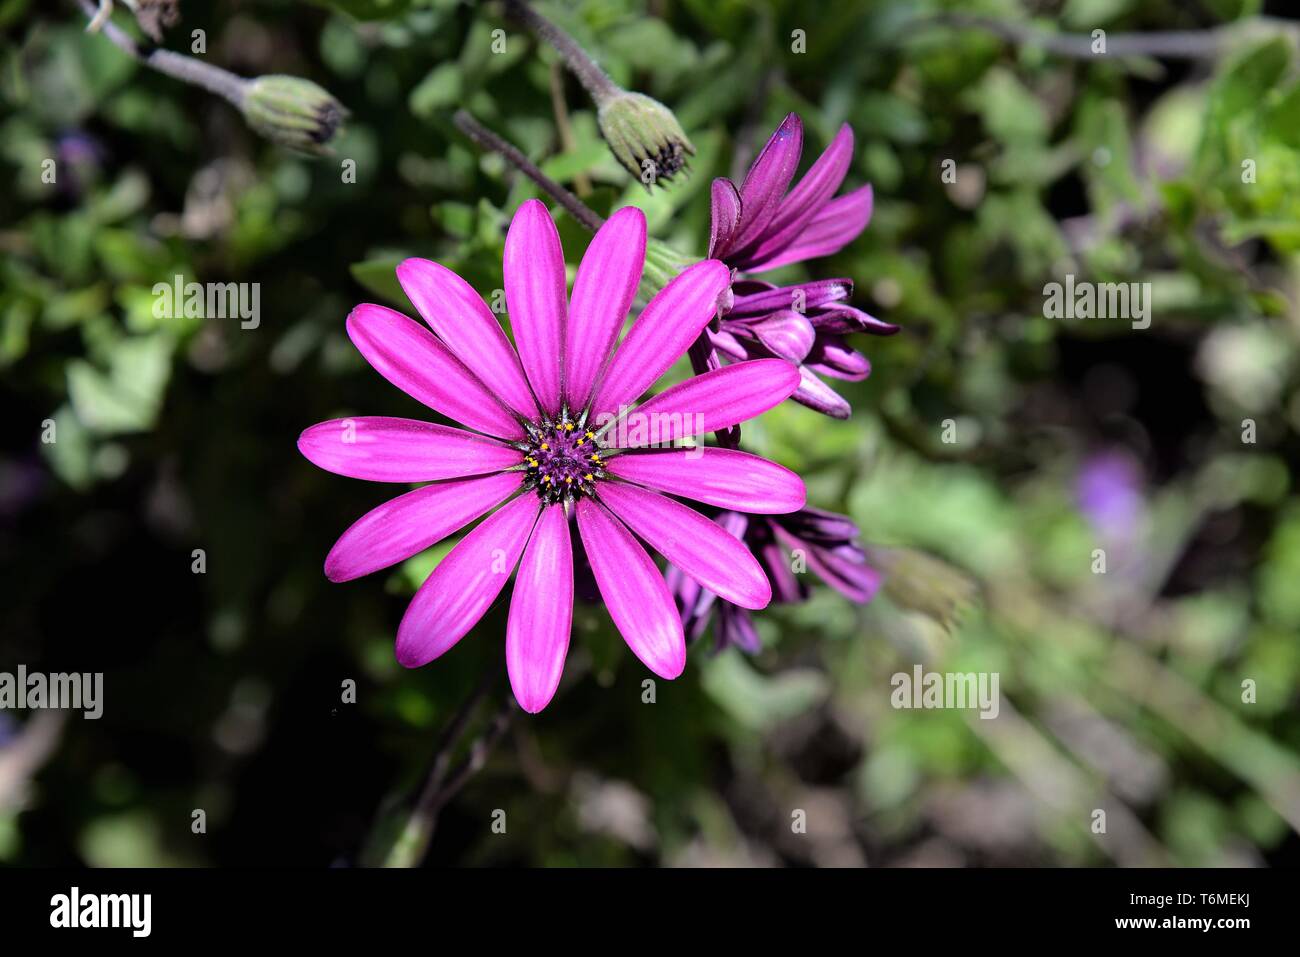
[(545, 443), (764, 224), (823, 541)]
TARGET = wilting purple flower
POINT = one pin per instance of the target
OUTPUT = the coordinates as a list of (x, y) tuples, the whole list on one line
[(539, 411), (765, 224), (823, 541), (805, 324)]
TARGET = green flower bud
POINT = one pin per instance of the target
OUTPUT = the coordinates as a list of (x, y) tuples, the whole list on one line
[(644, 136), (293, 112)]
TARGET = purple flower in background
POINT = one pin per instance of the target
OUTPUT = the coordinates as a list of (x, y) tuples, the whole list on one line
[(1109, 492), (539, 447), (764, 224), (823, 541)]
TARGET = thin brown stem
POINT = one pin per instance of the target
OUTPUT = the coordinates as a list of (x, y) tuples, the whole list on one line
[(596, 80), (223, 83), (488, 140), (1167, 44)]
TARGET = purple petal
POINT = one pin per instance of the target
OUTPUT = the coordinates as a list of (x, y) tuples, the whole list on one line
[(536, 297), (418, 363), (844, 319), (768, 179), (725, 217), (697, 546), (410, 523), (839, 223), (662, 333), (735, 629), (723, 477), (541, 612), (786, 585), (806, 200), (787, 335), (817, 524), (463, 321), (634, 591), (818, 396), (465, 584), (802, 297), (603, 291), (383, 449), (709, 402), (835, 358)]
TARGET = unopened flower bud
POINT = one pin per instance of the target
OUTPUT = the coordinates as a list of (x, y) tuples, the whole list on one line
[(644, 136), (293, 112)]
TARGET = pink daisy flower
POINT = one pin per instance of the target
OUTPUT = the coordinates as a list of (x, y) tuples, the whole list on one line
[(552, 442)]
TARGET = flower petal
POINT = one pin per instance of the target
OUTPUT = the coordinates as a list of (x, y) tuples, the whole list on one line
[(662, 333), (383, 449), (786, 334), (603, 291), (768, 179), (541, 612), (725, 217), (726, 478), (836, 358), (634, 591), (536, 297), (465, 584), (418, 363), (807, 198), (753, 298), (463, 321), (839, 223), (709, 402), (410, 523), (710, 555), (818, 396)]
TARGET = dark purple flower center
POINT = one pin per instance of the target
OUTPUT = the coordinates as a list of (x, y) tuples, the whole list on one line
[(562, 462)]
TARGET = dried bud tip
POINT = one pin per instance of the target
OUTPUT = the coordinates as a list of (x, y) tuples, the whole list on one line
[(644, 137)]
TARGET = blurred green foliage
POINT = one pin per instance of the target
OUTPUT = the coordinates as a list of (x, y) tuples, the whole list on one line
[(1121, 691)]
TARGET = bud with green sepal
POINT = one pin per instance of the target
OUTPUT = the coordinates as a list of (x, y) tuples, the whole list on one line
[(293, 112)]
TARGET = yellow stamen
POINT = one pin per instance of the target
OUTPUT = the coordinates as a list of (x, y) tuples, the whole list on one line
[(588, 476), (545, 447), (568, 426), (568, 480)]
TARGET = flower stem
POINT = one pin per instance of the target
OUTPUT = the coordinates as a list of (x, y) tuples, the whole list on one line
[(488, 140), (443, 784), (223, 83), (596, 80), (1169, 44)]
